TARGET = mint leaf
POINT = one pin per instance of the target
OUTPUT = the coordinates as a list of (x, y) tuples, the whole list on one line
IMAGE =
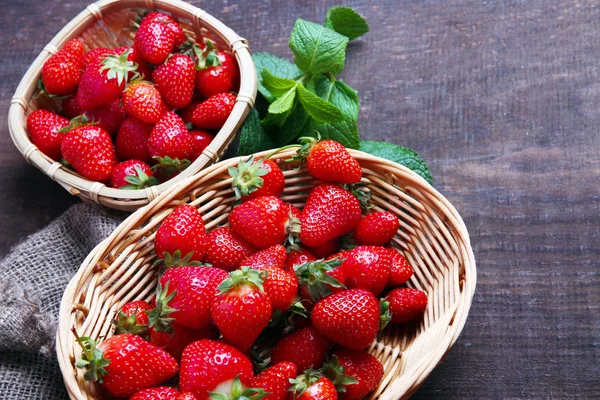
[(317, 49), (346, 21), (253, 137), (276, 85), (318, 108), (277, 66), (402, 155), (284, 104), (292, 127)]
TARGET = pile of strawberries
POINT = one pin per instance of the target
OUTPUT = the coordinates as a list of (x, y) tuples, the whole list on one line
[(256, 319), (159, 101)]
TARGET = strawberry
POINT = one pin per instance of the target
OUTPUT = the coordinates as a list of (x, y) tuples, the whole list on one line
[(326, 249), (330, 212), (329, 161), (376, 229), (367, 267), (256, 178), (70, 106), (263, 222), (155, 39), (201, 141), (349, 318), (298, 256), (132, 175), (157, 393), (226, 249), (109, 117), (221, 78), (208, 366), (276, 380), (132, 139), (306, 348), (183, 231), (125, 364), (143, 101), (312, 386), (43, 127), (89, 150), (354, 373), (274, 256), (214, 111), (187, 396), (240, 296), (185, 297), (171, 138), (132, 318), (103, 82), (281, 287), (400, 269), (62, 72), (97, 54), (175, 80), (177, 338), (406, 304), (178, 32), (187, 112), (320, 278)]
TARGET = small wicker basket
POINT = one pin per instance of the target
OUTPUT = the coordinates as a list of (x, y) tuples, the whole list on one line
[(432, 236), (103, 24)]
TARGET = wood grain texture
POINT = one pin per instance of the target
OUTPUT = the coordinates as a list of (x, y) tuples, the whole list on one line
[(503, 100)]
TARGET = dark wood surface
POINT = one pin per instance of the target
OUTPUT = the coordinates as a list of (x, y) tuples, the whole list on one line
[(502, 98)]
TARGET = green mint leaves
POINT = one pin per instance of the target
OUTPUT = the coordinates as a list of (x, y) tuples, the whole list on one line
[(347, 22), (402, 155)]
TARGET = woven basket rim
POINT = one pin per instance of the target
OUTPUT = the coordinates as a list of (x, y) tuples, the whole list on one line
[(130, 200), (454, 318)]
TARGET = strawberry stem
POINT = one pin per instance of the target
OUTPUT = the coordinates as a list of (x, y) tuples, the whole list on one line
[(158, 317), (92, 359)]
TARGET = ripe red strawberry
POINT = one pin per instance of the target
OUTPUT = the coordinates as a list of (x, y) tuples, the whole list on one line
[(306, 348), (263, 222), (103, 82), (186, 297), (97, 54), (367, 267), (187, 396), (132, 175), (298, 256), (349, 318), (157, 393), (187, 112), (171, 138), (143, 101), (242, 295), (400, 269), (376, 229), (256, 178), (274, 256), (90, 151), (326, 249), (43, 127), (109, 117), (214, 111), (125, 364), (132, 318), (178, 32), (226, 249), (182, 231), (70, 106), (364, 370), (175, 80), (155, 39), (406, 304), (62, 72), (312, 386), (132, 139), (281, 287), (209, 366), (217, 79), (201, 141), (329, 161), (330, 212), (178, 337), (319, 279), (276, 380)]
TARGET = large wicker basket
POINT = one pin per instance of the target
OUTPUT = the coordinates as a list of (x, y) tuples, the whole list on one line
[(102, 25), (432, 236)]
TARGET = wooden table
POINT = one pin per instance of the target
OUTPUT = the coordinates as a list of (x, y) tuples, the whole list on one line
[(503, 100)]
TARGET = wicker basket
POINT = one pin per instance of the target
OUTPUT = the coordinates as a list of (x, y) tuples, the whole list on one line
[(432, 236), (101, 25)]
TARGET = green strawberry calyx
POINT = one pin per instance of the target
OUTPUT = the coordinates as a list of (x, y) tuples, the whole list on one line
[(313, 275), (203, 58), (304, 381), (92, 359), (77, 122), (385, 315), (238, 392), (336, 373), (119, 67), (168, 167), (247, 177), (159, 317), (243, 277), (128, 324), (139, 181)]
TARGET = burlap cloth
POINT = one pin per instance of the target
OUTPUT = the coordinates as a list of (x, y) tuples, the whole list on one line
[(32, 280)]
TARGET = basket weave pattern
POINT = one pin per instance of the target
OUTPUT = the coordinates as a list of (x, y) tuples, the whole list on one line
[(103, 24), (432, 236)]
